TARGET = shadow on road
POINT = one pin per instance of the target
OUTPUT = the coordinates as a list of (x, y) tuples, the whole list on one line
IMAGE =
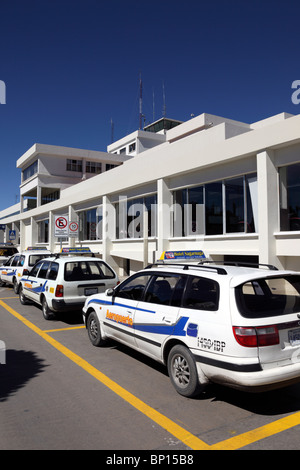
[(21, 366)]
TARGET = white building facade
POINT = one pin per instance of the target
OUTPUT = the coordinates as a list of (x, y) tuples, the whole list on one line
[(225, 187)]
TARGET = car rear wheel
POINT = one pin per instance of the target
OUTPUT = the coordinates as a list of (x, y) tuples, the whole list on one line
[(47, 313), (16, 286), (94, 331), (183, 372)]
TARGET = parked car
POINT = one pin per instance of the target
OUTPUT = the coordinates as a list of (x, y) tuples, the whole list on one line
[(62, 282), (19, 264), (6, 251), (234, 325)]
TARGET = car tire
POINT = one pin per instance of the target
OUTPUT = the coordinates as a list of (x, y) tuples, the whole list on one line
[(94, 330), (16, 286), (47, 313), (22, 297), (183, 371)]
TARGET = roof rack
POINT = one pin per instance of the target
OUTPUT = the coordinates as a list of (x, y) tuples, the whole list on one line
[(185, 267), (242, 264)]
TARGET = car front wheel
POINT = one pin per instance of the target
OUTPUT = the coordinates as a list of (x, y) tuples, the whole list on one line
[(183, 372), (22, 297), (94, 331)]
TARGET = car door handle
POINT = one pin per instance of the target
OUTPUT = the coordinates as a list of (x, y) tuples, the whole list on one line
[(167, 320)]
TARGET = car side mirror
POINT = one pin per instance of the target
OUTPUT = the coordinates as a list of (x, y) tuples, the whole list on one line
[(110, 293)]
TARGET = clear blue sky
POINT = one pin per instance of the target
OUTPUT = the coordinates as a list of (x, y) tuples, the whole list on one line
[(70, 66)]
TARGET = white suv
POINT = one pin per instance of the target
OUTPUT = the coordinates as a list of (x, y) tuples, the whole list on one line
[(19, 264), (234, 325), (62, 283)]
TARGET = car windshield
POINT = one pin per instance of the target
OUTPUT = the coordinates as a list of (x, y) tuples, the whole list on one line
[(87, 270), (268, 297)]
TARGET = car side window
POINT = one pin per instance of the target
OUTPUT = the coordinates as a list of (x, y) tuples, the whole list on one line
[(35, 269), (44, 269), (133, 288), (15, 260), (201, 294), (52, 273), (21, 260), (165, 290)]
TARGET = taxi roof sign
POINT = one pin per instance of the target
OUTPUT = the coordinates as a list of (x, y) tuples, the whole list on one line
[(36, 248), (74, 249), (183, 255)]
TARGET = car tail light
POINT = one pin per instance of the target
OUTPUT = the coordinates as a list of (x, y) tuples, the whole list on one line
[(59, 291), (253, 337), (25, 272)]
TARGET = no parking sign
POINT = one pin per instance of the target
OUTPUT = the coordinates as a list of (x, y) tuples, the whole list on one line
[(61, 226)]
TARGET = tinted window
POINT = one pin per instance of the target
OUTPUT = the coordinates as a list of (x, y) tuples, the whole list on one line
[(15, 260), (8, 262), (4, 251), (52, 274), (133, 288), (165, 290), (202, 294), (44, 269), (21, 260), (269, 297), (87, 270), (35, 269), (35, 258)]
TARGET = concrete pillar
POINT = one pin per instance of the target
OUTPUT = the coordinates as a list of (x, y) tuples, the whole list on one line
[(108, 231), (34, 232), (38, 196), (268, 207), (164, 204), (51, 240)]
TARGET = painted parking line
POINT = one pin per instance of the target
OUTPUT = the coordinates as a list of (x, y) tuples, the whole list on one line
[(55, 330), (177, 431), (234, 443)]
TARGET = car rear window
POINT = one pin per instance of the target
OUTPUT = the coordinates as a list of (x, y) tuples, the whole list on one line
[(269, 297), (8, 251), (35, 258), (87, 271)]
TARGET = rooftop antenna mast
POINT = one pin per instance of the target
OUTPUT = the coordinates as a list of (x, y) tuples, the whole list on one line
[(112, 130), (153, 105), (164, 101), (141, 102)]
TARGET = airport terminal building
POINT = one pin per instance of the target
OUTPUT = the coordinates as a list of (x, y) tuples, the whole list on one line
[(225, 187)]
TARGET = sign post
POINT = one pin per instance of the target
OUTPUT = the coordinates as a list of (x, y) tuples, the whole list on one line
[(61, 227)]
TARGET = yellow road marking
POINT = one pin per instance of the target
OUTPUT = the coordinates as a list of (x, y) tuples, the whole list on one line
[(5, 298), (64, 329), (234, 443), (257, 434), (177, 431)]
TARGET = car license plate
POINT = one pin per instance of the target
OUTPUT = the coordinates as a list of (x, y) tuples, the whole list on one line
[(90, 291), (294, 337)]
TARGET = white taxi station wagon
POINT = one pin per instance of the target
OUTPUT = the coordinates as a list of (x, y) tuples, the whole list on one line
[(62, 282), (19, 264), (234, 325)]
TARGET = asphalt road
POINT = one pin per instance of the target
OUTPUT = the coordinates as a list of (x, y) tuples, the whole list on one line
[(57, 391)]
